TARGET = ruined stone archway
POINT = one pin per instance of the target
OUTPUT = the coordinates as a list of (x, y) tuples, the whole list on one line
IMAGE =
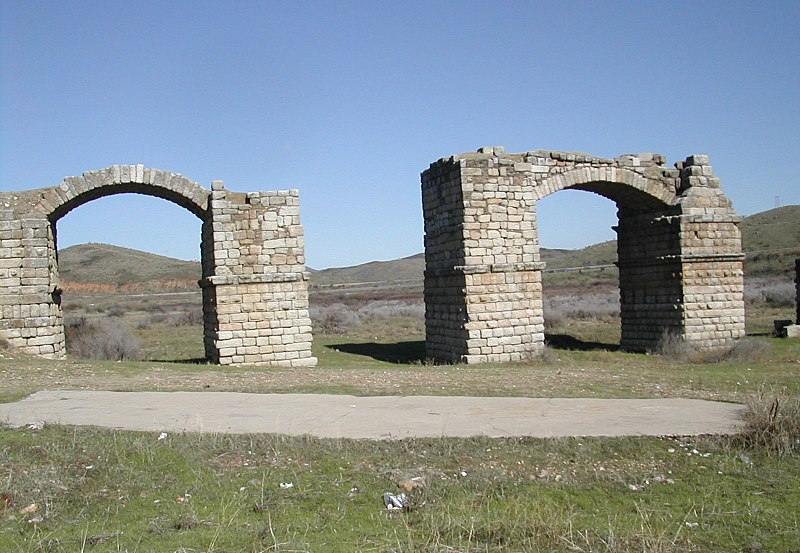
[(254, 282), (679, 250)]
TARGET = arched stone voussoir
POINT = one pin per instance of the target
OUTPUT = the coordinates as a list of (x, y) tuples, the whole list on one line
[(619, 184), (118, 179)]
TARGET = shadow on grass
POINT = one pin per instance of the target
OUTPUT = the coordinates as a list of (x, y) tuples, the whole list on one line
[(567, 342), (195, 361), (414, 351), (396, 352)]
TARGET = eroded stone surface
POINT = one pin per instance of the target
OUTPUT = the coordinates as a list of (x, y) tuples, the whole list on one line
[(679, 250), (255, 286)]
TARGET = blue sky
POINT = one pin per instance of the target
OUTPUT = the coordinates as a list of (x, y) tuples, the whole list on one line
[(350, 101)]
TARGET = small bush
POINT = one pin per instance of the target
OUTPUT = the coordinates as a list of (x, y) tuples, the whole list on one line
[(116, 311), (674, 348), (190, 317), (74, 305), (334, 319), (560, 310), (338, 318), (109, 340), (193, 317), (771, 425), (770, 293), (746, 350)]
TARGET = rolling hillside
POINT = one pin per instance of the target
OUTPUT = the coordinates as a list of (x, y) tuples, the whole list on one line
[(98, 266), (772, 238)]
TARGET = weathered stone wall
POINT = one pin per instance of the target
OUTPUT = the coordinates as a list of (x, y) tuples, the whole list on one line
[(258, 288), (679, 250), (445, 301), (712, 271), (255, 289), (650, 294), (483, 276), (30, 301)]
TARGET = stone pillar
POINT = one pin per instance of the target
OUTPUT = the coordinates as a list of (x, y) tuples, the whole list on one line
[(30, 298), (445, 302), (711, 259), (483, 285), (256, 289), (649, 278), (797, 287)]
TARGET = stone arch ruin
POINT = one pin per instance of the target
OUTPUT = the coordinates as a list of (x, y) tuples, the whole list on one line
[(254, 282), (679, 251), (679, 256)]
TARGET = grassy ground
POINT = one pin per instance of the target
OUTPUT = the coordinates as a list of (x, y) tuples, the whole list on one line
[(88, 489), (350, 364), (79, 489), (387, 357)]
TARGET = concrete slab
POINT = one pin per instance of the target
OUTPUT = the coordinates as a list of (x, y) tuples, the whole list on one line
[(382, 417)]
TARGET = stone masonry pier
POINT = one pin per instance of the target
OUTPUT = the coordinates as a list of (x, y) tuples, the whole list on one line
[(254, 282), (679, 251), (797, 287)]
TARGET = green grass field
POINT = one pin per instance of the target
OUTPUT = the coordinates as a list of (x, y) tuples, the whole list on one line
[(90, 489), (84, 489)]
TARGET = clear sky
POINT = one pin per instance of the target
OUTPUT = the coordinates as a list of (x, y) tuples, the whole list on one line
[(349, 101)]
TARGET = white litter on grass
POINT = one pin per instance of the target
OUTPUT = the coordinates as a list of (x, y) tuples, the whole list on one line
[(286, 485), (394, 502), (163, 436)]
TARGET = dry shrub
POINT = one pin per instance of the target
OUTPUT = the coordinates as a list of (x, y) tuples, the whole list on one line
[(333, 319), (673, 347), (338, 318), (771, 425), (770, 293), (116, 311), (558, 310), (108, 340), (186, 317)]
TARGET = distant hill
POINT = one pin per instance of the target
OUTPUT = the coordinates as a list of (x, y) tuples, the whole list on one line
[(88, 265), (772, 240), (407, 269), (772, 236), (399, 270)]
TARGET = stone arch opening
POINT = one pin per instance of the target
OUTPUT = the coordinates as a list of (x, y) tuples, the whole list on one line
[(679, 250), (133, 293), (254, 283), (579, 292)]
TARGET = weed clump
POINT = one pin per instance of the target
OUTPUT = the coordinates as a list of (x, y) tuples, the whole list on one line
[(673, 347), (771, 425), (109, 340)]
